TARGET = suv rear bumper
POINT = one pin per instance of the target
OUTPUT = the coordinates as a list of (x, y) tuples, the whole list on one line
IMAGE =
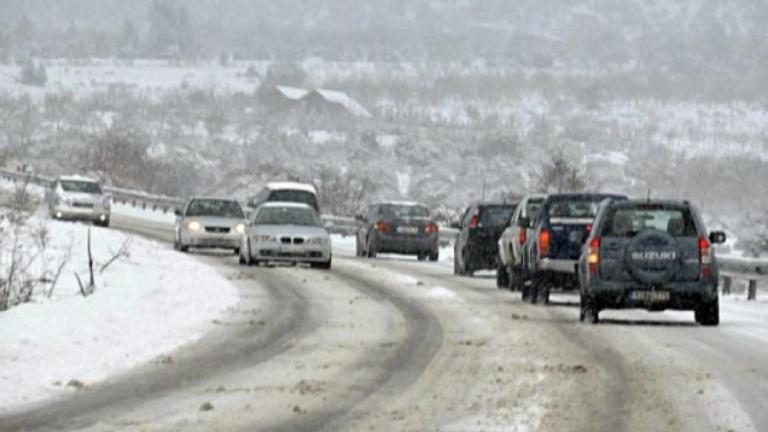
[(558, 265), (682, 295)]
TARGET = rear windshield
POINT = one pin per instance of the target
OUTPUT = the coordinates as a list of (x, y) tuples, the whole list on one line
[(496, 215), (533, 207), (392, 211), (287, 216), (297, 196), (216, 208), (627, 222), (81, 186), (573, 209)]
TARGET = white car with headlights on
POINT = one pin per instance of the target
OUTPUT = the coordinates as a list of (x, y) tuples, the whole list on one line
[(209, 223), (286, 232), (78, 198)]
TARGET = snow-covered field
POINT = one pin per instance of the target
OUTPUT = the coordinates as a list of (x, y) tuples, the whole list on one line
[(145, 305)]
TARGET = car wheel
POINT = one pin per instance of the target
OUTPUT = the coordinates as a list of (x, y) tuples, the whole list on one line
[(183, 248), (421, 256), (434, 256), (237, 251), (588, 311), (371, 249), (516, 280), (708, 314), (456, 268), (538, 285), (465, 269), (241, 260), (322, 265), (502, 276), (525, 293)]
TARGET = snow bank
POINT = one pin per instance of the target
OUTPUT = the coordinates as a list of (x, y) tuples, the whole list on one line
[(146, 305)]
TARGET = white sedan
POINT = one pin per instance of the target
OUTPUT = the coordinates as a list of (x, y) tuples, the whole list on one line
[(286, 232)]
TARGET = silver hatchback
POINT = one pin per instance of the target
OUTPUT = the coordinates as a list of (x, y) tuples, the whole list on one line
[(209, 223)]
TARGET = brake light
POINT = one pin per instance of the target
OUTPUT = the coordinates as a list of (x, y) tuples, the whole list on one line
[(474, 221), (431, 229), (593, 256), (523, 236), (589, 229), (382, 226), (705, 256), (545, 239)]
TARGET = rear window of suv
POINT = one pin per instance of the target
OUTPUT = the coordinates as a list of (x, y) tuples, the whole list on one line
[(629, 221), (496, 215), (573, 209)]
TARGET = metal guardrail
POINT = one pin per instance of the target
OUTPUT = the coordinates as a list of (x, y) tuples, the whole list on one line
[(750, 270)]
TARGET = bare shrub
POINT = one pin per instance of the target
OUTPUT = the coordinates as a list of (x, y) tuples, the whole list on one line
[(561, 175)]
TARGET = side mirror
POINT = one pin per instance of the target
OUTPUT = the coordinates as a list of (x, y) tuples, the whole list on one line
[(177, 212), (524, 222), (455, 225), (717, 237)]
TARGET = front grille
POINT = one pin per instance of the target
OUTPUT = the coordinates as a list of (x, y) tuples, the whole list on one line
[(294, 240), (217, 230), (82, 205)]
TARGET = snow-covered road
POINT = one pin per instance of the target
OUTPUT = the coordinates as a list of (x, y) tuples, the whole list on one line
[(395, 344)]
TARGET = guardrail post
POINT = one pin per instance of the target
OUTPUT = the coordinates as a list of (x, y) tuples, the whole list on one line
[(727, 282), (752, 291)]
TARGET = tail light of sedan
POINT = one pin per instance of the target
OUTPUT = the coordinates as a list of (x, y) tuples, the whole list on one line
[(474, 222), (593, 256), (522, 237), (431, 229), (382, 226)]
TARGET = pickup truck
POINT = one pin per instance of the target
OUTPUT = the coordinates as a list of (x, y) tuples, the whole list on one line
[(559, 233)]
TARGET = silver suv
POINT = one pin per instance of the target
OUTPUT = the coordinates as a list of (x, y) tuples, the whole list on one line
[(653, 255), (78, 198), (509, 273)]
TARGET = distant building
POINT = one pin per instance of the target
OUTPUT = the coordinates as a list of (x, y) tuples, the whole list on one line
[(279, 99)]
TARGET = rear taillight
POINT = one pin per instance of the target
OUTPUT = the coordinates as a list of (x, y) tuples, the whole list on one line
[(523, 236), (589, 229), (545, 239), (431, 229), (593, 256), (474, 221), (382, 226), (705, 256)]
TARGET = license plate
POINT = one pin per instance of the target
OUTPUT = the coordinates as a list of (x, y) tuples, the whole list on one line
[(407, 230), (650, 296)]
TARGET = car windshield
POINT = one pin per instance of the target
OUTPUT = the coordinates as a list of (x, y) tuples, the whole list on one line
[(392, 211), (628, 221), (496, 216), (297, 196), (217, 208), (80, 186), (573, 208), (287, 216)]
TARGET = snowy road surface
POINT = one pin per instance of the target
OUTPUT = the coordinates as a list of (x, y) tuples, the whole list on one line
[(395, 344)]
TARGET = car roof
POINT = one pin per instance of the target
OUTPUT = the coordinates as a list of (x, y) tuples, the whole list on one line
[(653, 202), (213, 198), (292, 186), (496, 203), (535, 196), (77, 178), (401, 203), (273, 204), (585, 194)]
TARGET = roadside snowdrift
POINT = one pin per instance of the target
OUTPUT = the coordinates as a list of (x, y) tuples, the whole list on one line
[(145, 305)]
